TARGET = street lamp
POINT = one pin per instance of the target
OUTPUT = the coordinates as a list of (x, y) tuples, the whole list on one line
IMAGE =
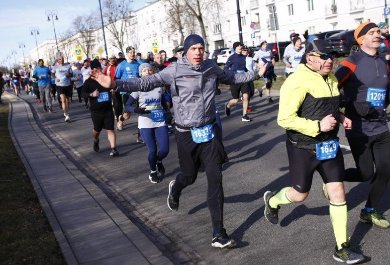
[(22, 46), (35, 32), (51, 16)]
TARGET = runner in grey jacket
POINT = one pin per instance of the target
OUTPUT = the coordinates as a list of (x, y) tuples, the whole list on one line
[(193, 86)]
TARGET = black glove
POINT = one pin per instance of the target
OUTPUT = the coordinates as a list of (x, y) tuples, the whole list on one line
[(141, 110)]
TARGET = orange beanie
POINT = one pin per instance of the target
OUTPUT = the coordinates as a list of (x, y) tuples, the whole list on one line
[(362, 30)]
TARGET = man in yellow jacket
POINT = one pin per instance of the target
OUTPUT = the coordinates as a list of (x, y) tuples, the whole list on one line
[(309, 110)]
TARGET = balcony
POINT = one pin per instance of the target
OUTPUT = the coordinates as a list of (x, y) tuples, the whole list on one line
[(356, 6), (254, 4), (330, 11)]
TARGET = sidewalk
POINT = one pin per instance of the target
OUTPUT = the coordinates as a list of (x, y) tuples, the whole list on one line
[(89, 227)]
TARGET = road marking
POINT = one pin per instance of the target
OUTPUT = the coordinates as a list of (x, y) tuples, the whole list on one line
[(345, 147)]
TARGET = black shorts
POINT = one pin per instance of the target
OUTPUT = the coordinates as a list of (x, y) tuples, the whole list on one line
[(102, 120), (236, 89), (66, 90), (303, 163)]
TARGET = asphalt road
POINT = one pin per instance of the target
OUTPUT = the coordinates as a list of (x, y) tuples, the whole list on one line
[(258, 162)]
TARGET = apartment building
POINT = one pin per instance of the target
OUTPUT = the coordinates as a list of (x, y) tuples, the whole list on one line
[(147, 28)]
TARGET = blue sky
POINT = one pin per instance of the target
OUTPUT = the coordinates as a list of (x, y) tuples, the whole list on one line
[(19, 16)]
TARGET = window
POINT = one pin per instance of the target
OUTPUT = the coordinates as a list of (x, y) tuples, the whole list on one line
[(310, 5), (243, 21), (217, 28), (290, 9)]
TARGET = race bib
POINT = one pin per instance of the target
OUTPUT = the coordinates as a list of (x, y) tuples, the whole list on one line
[(327, 150), (103, 97), (202, 134), (157, 115), (376, 96)]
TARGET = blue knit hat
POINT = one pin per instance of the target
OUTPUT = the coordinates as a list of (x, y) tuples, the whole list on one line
[(192, 40)]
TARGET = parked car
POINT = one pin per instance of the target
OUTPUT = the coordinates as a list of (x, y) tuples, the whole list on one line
[(343, 43), (223, 55), (322, 35), (214, 54), (274, 48)]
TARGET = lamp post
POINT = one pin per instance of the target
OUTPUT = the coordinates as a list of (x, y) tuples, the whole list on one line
[(22, 46), (35, 32), (104, 34), (239, 21), (51, 16)]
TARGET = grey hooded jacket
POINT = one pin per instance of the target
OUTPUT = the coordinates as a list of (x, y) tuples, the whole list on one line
[(192, 89)]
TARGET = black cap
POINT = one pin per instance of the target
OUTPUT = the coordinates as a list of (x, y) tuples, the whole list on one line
[(95, 64), (178, 49), (319, 46), (236, 44), (293, 35)]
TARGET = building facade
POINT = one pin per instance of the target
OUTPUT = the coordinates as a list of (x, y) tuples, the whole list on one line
[(148, 31)]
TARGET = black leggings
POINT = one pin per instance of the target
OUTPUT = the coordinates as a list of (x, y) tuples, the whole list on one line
[(372, 156), (191, 156)]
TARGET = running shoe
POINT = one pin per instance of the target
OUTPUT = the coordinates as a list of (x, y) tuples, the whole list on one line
[(222, 240), (270, 100), (67, 118), (154, 178), (261, 93), (172, 203), (114, 153), (96, 147), (160, 168), (227, 110), (271, 214), (246, 118), (345, 254), (45, 108), (376, 218)]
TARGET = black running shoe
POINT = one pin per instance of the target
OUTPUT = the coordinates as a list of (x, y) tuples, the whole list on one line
[(227, 110), (96, 147), (114, 153), (270, 100), (222, 240), (345, 254), (172, 203), (160, 168), (271, 214), (246, 118), (154, 178)]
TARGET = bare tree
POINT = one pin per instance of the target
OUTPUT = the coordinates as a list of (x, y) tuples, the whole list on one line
[(85, 26), (196, 8), (117, 15), (175, 17), (66, 44)]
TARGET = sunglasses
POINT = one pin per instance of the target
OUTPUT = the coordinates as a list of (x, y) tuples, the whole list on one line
[(324, 56)]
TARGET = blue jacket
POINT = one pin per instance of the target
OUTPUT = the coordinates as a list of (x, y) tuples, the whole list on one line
[(236, 63), (43, 75)]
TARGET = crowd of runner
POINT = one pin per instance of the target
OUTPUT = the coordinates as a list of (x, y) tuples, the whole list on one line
[(179, 92)]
